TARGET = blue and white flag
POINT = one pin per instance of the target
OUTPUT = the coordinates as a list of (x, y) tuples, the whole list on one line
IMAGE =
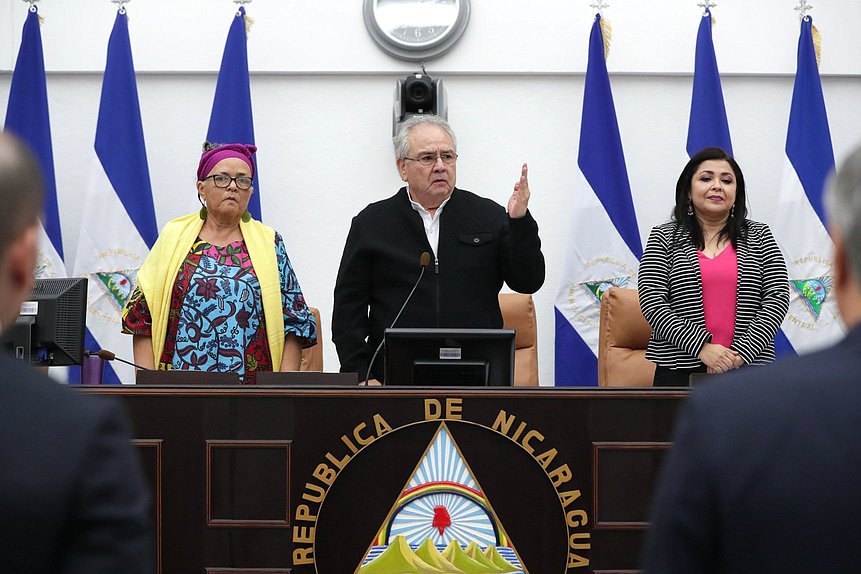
[(605, 246), (708, 125), (119, 225), (813, 320), (231, 120), (27, 117)]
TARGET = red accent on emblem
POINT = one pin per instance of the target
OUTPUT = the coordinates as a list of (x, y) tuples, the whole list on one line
[(123, 282), (441, 519)]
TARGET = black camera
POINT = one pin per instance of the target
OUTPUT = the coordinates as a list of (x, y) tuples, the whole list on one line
[(418, 94)]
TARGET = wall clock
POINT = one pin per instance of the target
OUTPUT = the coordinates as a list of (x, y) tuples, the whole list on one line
[(416, 30)]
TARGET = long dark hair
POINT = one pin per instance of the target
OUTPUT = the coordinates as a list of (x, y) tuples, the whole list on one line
[(736, 225)]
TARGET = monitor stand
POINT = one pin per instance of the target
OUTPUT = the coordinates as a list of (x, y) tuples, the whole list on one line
[(22, 338)]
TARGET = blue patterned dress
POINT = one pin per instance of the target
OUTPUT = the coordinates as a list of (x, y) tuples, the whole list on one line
[(216, 321)]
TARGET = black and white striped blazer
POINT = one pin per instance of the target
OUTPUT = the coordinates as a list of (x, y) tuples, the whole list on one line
[(671, 296)]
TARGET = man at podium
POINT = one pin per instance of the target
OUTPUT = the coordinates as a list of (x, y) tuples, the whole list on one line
[(469, 246)]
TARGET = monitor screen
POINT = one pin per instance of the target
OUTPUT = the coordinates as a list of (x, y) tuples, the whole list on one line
[(450, 357), (50, 329)]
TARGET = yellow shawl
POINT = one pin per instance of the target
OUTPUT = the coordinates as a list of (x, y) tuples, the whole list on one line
[(158, 274)]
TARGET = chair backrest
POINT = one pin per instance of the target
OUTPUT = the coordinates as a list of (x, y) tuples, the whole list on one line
[(518, 313), (623, 336), (312, 357)]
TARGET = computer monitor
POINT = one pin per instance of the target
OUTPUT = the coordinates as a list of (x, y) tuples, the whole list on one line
[(50, 329), (450, 357)]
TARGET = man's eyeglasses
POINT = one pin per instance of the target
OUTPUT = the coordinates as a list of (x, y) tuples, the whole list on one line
[(242, 182), (429, 159)]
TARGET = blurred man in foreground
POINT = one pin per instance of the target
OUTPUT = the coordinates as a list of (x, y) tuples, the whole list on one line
[(72, 499)]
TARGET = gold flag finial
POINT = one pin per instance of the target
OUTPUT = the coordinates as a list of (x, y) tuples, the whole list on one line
[(803, 10), (249, 21), (606, 28)]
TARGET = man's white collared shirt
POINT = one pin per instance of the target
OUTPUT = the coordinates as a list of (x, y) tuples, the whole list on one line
[(431, 222)]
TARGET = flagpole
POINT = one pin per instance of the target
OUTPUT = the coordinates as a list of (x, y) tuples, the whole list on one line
[(119, 225), (231, 119), (803, 8), (708, 125), (240, 12), (598, 6), (27, 116), (706, 5), (813, 318), (121, 5), (605, 244)]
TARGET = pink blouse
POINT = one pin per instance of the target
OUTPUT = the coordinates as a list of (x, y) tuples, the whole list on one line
[(720, 285)]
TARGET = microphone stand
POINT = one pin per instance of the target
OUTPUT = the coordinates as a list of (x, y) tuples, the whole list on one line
[(106, 355), (424, 261)]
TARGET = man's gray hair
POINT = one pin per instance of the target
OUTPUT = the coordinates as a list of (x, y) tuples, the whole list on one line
[(843, 208), (21, 189), (402, 139)]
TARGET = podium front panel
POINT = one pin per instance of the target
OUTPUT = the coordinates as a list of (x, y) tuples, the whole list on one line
[(317, 480)]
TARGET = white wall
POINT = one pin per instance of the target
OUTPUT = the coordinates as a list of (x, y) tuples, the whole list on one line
[(322, 104), (504, 36)]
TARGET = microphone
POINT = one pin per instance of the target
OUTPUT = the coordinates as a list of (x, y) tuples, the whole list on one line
[(106, 355), (424, 261)]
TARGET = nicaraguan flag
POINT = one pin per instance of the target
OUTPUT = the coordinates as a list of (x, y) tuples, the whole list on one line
[(812, 321), (605, 247), (27, 117), (708, 125), (119, 224), (231, 120)]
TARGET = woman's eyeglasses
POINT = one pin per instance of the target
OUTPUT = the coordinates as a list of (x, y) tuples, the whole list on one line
[(242, 182)]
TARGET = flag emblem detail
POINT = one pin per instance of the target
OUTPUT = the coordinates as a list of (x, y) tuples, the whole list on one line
[(595, 289), (118, 285), (813, 292)]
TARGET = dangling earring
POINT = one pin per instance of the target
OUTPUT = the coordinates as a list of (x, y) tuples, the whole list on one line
[(732, 211), (202, 212), (246, 217), (690, 207)]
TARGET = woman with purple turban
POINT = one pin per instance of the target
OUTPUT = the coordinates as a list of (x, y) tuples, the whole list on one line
[(217, 292)]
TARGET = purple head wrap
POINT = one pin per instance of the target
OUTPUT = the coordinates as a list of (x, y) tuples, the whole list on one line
[(210, 158)]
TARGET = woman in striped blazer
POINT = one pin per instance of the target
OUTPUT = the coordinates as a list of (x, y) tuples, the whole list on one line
[(712, 283)]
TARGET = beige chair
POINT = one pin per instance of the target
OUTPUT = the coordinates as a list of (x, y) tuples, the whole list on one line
[(312, 357), (518, 313), (623, 335)]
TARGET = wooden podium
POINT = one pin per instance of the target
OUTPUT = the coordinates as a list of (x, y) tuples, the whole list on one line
[(308, 479)]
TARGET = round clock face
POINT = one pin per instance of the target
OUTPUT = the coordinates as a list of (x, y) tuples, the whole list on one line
[(416, 29)]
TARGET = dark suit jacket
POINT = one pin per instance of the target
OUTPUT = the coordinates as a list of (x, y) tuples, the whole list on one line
[(765, 474), (479, 248), (72, 499)]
